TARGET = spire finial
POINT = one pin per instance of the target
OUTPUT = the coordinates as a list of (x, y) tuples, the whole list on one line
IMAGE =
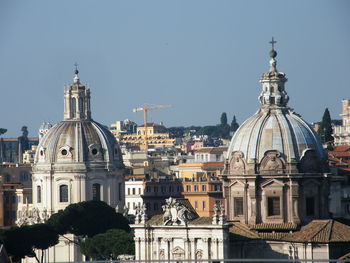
[(76, 71), (273, 42), (273, 52), (76, 79)]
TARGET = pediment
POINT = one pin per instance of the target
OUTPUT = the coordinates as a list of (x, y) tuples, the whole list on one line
[(237, 183), (272, 183)]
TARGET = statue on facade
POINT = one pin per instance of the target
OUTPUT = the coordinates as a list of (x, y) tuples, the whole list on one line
[(175, 213)]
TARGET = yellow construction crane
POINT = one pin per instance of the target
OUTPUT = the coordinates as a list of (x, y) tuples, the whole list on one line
[(145, 108)]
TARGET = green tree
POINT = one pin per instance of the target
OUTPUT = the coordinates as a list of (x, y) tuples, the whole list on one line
[(2, 131), (42, 237), (223, 119), (22, 241), (108, 245), (87, 219), (325, 130), (234, 124)]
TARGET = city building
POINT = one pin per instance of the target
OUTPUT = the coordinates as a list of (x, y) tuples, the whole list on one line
[(276, 188), (12, 149), (203, 194), (156, 191), (207, 162), (341, 133), (339, 164), (134, 190), (123, 127), (78, 159), (15, 188), (157, 137)]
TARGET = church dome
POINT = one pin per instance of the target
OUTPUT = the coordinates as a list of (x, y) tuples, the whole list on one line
[(275, 139), (78, 139)]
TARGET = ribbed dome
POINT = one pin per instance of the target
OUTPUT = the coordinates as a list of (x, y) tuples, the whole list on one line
[(78, 139), (275, 139), (275, 129), (84, 141)]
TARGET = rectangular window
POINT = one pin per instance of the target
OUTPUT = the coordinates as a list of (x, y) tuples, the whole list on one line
[(128, 205), (203, 204), (310, 206), (156, 189), (196, 188), (139, 191), (148, 189), (96, 192), (273, 206), (238, 206), (133, 191), (195, 205), (38, 193), (128, 191), (63, 190), (204, 188), (188, 188)]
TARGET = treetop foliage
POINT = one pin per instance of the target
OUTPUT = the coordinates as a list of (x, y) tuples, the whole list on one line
[(109, 245), (87, 219)]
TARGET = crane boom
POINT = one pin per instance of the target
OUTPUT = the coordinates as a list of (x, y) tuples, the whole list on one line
[(145, 108)]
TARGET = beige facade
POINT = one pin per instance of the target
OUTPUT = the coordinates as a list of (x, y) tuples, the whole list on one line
[(157, 137), (341, 133)]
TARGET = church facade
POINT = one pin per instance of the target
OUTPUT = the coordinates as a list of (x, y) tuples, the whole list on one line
[(76, 160)]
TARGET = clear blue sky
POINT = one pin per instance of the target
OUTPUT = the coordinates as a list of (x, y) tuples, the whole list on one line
[(202, 57)]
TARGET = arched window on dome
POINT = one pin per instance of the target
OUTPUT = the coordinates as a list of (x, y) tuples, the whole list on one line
[(74, 107), (38, 194), (81, 105), (96, 192), (63, 193)]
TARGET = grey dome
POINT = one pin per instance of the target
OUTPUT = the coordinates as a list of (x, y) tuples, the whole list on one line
[(275, 129), (81, 141), (275, 139)]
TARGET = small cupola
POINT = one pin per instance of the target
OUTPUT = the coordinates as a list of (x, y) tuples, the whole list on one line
[(76, 100)]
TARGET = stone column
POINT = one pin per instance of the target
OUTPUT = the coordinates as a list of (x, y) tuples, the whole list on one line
[(206, 251), (221, 248), (253, 203), (193, 248), (187, 248), (137, 248), (143, 253), (215, 248), (294, 205)]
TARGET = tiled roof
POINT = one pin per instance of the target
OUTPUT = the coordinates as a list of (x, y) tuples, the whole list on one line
[(322, 231), (241, 231), (212, 150), (273, 235), (273, 226)]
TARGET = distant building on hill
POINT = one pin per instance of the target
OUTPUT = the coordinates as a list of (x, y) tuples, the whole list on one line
[(341, 133), (157, 137)]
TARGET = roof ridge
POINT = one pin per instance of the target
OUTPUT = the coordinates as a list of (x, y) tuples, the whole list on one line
[(331, 229), (319, 231)]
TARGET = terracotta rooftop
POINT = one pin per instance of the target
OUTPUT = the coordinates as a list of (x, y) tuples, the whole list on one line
[(322, 231), (317, 231), (212, 150), (273, 226)]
